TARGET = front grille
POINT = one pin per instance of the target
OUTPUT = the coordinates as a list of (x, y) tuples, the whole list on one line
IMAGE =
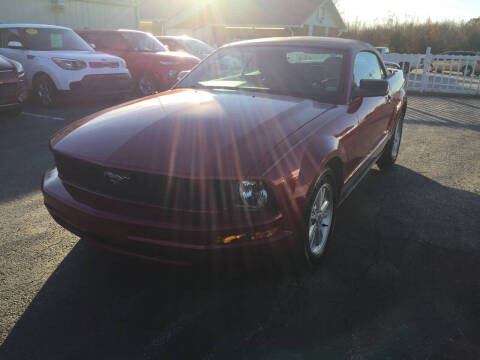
[(8, 90), (159, 190), (104, 64)]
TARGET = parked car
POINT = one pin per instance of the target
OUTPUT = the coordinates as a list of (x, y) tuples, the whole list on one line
[(454, 61), (13, 92), (249, 164), (383, 50), (187, 44), (58, 61), (153, 67)]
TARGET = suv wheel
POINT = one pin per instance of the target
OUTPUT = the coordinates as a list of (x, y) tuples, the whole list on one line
[(147, 84), (45, 91)]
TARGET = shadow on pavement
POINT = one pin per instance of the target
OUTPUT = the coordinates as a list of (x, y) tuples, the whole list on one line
[(400, 281), (24, 154)]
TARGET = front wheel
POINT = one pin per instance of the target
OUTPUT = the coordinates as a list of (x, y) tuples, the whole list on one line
[(319, 221), (147, 84), (390, 153), (45, 91)]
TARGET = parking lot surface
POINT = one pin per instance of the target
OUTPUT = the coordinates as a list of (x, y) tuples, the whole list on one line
[(400, 281)]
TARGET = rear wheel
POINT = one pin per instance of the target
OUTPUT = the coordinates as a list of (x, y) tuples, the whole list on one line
[(317, 228), (390, 153), (45, 91)]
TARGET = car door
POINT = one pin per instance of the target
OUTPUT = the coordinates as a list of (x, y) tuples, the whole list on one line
[(374, 113)]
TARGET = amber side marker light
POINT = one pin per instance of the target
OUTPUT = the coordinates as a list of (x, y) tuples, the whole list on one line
[(259, 235)]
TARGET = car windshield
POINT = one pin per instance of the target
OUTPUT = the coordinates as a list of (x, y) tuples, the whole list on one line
[(302, 72), (197, 46), (47, 39), (143, 42)]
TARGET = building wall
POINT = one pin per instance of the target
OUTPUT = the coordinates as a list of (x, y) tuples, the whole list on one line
[(99, 14)]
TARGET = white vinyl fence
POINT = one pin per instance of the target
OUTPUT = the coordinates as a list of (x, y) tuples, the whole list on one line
[(453, 74)]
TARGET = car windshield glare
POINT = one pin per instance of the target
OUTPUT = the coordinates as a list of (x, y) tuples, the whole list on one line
[(143, 42), (50, 39), (197, 46), (295, 71)]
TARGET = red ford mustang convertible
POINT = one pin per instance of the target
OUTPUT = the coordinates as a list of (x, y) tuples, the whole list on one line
[(249, 155)]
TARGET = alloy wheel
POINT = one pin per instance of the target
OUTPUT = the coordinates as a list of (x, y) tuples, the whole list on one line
[(397, 137), (146, 85), (45, 93), (320, 222)]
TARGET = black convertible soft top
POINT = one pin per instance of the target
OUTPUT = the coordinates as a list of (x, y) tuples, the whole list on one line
[(313, 41)]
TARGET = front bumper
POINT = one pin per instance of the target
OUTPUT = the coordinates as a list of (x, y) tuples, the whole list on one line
[(133, 229), (13, 94), (102, 84)]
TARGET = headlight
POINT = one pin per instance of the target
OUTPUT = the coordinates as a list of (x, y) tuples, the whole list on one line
[(18, 66), (253, 194), (70, 64)]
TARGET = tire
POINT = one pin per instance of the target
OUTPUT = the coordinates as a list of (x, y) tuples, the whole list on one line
[(318, 225), (390, 152), (45, 91), (147, 84)]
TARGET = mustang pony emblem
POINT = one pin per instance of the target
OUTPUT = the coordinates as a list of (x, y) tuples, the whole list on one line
[(115, 179)]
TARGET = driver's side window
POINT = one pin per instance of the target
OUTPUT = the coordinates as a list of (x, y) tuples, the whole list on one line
[(366, 66)]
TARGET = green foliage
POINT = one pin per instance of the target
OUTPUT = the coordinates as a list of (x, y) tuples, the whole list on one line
[(415, 37)]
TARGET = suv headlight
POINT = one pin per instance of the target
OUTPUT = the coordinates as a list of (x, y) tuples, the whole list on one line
[(18, 66), (70, 64), (253, 194)]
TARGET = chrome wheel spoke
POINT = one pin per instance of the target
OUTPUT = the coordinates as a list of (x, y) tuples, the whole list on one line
[(320, 219)]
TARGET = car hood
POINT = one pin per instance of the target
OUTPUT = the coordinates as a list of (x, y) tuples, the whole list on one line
[(173, 56), (5, 63), (79, 55), (188, 133)]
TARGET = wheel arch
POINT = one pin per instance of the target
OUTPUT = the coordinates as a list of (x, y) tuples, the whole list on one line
[(38, 75)]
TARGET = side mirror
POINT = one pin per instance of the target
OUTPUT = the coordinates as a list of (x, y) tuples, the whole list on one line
[(182, 74), (15, 45), (372, 88), (93, 45)]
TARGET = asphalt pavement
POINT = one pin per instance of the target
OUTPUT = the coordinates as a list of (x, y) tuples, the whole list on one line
[(400, 281)]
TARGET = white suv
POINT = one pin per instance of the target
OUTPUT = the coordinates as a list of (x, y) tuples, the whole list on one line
[(57, 60)]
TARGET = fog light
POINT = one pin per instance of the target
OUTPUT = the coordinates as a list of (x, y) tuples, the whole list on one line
[(259, 235)]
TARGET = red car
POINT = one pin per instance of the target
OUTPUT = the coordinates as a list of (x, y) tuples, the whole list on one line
[(238, 162), (13, 92), (151, 65)]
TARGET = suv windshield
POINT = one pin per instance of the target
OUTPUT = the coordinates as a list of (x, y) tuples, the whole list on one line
[(302, 72), (47, 39), (143, 42), (197, 46)]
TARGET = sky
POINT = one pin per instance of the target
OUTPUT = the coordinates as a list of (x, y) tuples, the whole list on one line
[(370, 11)]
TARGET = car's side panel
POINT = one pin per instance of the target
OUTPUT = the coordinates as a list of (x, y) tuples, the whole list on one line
[(307, 152)]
